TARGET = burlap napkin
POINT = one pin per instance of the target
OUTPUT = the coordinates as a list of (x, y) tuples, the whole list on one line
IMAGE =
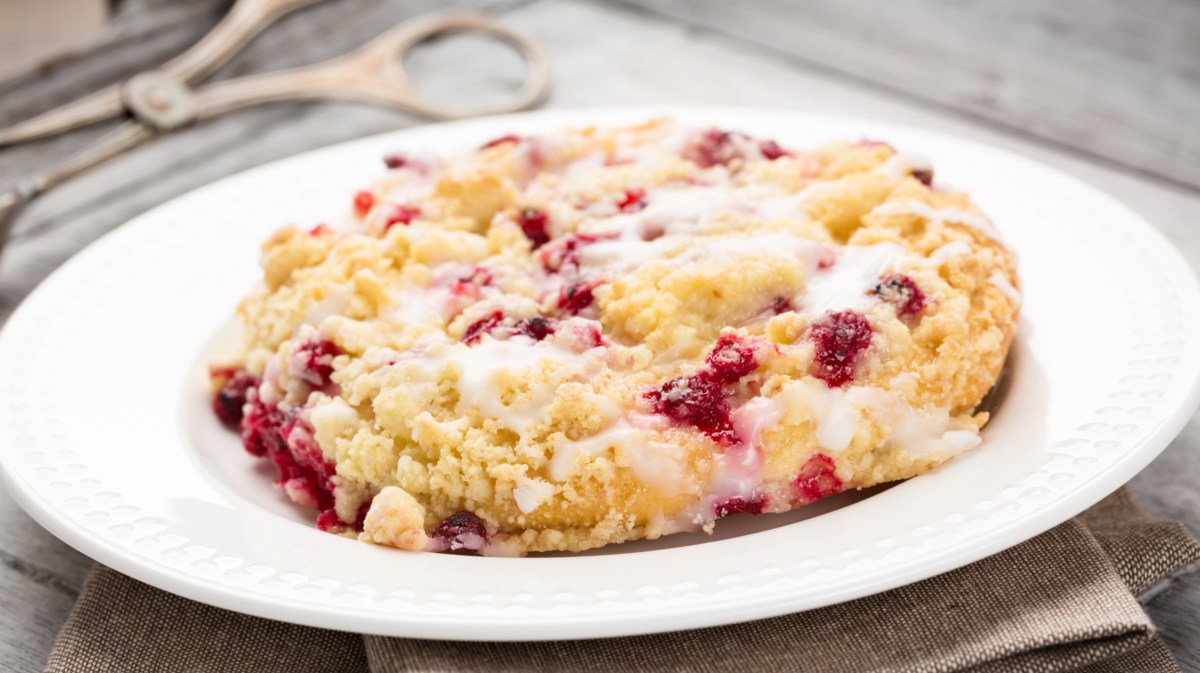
[(1064, 601)]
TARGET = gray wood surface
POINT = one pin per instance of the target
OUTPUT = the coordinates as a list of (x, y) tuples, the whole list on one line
[(1114, 80), (611, 54)]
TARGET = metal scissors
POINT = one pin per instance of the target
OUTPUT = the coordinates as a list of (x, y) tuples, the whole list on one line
[(161, 100)]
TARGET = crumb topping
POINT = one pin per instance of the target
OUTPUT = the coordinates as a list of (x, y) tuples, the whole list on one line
[(563, 341)]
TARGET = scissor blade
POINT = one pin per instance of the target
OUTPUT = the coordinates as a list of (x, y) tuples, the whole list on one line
[(96, 107)]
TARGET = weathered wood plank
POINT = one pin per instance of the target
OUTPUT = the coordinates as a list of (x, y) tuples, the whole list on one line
[(159, 29), (1117, 80), (26, 548), (31, 33), (87, 207), (1175, 614), (31, 612), (1167, 489), (602, 54)]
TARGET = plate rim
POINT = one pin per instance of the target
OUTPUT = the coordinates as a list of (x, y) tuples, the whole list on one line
[(604, 625)]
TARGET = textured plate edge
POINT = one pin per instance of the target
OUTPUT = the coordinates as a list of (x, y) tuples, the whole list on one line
[(1042, 519)]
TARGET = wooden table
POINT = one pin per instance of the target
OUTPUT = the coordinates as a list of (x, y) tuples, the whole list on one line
[(1106, 90)]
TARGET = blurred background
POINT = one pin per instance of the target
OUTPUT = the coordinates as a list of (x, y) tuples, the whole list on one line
[(1103, 77), (1108, 90), (33, 31)]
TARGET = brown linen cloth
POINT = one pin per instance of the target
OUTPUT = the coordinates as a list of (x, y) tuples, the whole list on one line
[(1063, 601)]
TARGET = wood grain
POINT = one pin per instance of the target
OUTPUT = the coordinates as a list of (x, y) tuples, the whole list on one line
[(602, 54), (1117, 80), (31, 33), (32, 615)]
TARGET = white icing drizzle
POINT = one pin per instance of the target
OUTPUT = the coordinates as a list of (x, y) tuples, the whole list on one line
[(682, 211), (438, 303), (513, 306), (411, 187), (844, 285), (674, 226), (947, 252), (655, 462), (529, 494), (901, 164), (660, 464), (677, 215), (691, 210), (790, 206), (479, 365), (839, 415), (961, 440), (837, 411), (334, 303), (627, 253), (736, 472), (753, 418), (270, 377), (417, 305), (778, 244), (1001, 282), (562, 462), (581, 172), (928, 212), (329, 419)]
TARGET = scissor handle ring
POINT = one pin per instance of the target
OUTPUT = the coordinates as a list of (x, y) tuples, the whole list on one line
[(390, 49)]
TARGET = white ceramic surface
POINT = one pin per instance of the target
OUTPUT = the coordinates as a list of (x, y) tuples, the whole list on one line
[(106, 438)]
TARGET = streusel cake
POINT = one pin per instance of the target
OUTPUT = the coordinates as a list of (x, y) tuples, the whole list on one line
[(593, 336)]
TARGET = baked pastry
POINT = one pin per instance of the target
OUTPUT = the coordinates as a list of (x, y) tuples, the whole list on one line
[(593, 336)]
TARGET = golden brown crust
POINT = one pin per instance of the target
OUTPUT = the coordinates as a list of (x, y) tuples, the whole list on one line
[(563, 444)]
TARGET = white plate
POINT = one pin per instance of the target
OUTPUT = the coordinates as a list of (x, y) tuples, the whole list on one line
[(108, 442)]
